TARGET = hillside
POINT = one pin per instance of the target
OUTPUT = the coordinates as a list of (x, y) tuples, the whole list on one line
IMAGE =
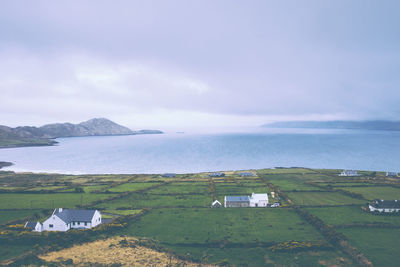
[(365, 125), (37, 136)]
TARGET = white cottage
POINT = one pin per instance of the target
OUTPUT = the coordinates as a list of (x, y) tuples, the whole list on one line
[(385, 205), (66, 219), (349, 173), (259, 200)]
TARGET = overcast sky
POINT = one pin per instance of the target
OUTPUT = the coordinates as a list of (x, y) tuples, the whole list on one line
[(159, 64)]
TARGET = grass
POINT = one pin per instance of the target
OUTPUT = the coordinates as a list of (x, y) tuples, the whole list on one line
[(131, 187), (138, 201), (351, 215), (181, 188), (233, 225), (376, 192), (8, 251), (381, 246), (45, 201), (286, 184), (10, 215), (322, 198)]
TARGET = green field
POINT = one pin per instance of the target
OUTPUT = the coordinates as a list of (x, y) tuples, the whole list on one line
[(322, 198), (10, 215), (376, 192), (175, 213), (232, 225), (351, 215), (381, 246), (46, 201), (131, 187)]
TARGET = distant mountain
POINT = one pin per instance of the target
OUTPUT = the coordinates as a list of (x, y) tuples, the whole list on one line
[(28, 135), (365, 125)]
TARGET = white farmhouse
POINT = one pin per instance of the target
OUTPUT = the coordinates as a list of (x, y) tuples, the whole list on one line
[(65, 219), (348, 173), (385, 205), (259, 200)]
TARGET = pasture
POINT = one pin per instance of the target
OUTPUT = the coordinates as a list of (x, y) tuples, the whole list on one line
[(322, 198)]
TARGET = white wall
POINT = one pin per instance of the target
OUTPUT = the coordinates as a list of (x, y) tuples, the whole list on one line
[(58, 224)]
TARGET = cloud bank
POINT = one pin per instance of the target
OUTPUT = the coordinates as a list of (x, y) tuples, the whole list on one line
[(190, 63)]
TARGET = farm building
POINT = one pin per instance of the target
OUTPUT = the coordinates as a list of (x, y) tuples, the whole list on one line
[(246, 174), (385, 205), (217, 174), (34, 226), (394, 174), (216, 204), (348, 173), (169, 175), (65, 219), (236, 201), (259, 200)]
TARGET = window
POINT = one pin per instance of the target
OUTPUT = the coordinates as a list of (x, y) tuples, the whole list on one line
[(79, 223), (73, 223), (50, 225), (85, 223)]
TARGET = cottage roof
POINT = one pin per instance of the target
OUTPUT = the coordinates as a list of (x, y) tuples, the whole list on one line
[(31, 225), (74, 215), (386, 204), (237, 198), (216, 202), (169, 175)]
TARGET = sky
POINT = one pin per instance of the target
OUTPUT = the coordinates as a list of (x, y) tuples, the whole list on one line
[(165, 64)]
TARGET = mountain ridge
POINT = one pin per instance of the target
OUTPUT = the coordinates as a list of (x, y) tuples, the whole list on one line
[(43, 135), (338, 124)]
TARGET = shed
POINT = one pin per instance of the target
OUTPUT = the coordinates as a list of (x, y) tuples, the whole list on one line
[(216, 204)]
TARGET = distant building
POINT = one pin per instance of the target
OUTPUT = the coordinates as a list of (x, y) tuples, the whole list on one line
[(217, 174), (385, 205), (236, 201), (34, 226), (259, 200), (66, 219), (348, 173), (216, 204), (246, 174), (394, 174), (169, 175)]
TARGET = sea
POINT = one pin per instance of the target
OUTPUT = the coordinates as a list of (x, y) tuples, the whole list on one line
[(192, 152)]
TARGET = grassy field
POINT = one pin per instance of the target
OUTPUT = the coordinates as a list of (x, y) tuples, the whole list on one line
[(10, 215), (351, 215), (322, 198), (376, 192), (232, 225), (128, 187), (46, 201), (381, 246), (176, 214)]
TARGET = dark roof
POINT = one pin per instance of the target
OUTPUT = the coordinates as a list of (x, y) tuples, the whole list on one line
[(31, 225), (237, 198), (246, 174), (386, 204), (217, 174), (75, 215), (169, 175)]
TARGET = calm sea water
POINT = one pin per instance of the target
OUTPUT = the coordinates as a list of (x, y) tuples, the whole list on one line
[(185, 153)]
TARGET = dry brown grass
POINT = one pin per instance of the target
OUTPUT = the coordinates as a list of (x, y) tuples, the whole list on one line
[(112, 250)]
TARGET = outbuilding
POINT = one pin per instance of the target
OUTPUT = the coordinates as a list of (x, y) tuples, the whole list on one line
[(236, 201), (34, 226), (216, 204)]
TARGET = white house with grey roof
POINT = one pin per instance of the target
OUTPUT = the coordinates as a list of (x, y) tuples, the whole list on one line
[(34, 226), (259, 200), (66, 219)]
